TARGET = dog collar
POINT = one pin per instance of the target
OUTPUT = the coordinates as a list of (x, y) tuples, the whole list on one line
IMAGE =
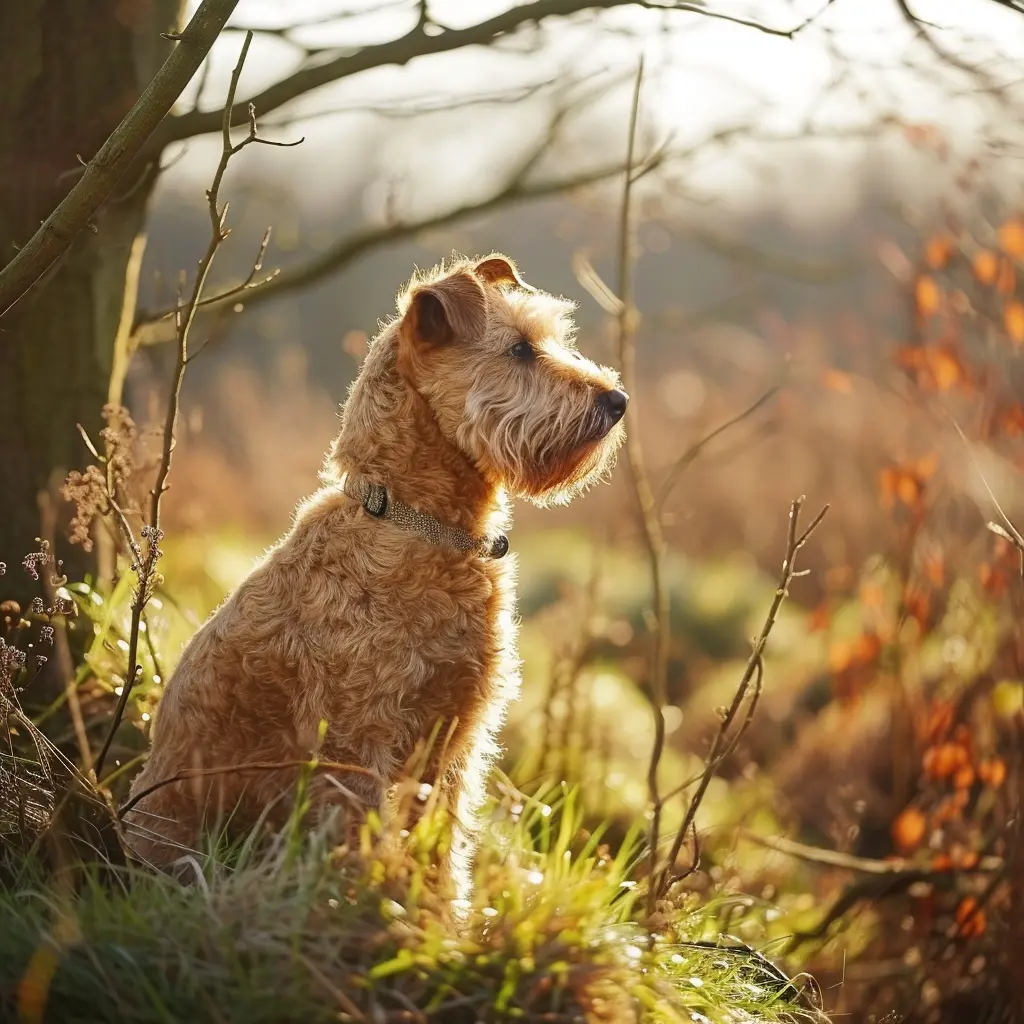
[(380, 505)]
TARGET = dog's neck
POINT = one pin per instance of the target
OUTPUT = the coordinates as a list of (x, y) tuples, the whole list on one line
[(390, 436)]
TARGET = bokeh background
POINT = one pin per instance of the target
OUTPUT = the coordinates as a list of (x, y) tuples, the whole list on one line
[(828, 233), (778, 244)]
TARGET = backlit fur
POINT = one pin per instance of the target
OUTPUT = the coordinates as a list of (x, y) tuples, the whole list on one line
[(367, 627)]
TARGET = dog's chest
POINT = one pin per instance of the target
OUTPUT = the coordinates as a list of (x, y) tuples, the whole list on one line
[(441, 635)]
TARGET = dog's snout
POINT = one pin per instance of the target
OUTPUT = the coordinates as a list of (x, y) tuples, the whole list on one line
[(614, 404)]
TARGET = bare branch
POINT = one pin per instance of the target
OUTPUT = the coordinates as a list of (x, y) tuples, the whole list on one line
[(184, 313), (722, 745), (420, 43), (861, 865), (106, 168), (875, 888), (1011, 532), (989, 83), (423, 105), (152, 329), (627, 320), (252, 766), (687, 458), (771, 262)]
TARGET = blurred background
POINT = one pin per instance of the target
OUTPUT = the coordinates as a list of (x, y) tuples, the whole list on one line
[(826, 260), (792, 176)]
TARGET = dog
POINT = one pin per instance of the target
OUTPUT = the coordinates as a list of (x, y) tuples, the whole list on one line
[(386, 614)]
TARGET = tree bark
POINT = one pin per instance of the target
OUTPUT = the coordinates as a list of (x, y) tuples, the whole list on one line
[(69, 72)]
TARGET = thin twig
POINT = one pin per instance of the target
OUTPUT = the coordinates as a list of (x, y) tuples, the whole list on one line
[(689, 456), (1009, 532), (256, 766), (875, 888), (348, 1007), (641, 487), (65, 662), (418, 42), (146, 560), (862, 865), (621, 306), (722, 745), (726, 752)]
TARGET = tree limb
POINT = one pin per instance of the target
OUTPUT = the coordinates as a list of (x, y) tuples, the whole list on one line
[(1013, 5), (990, 84), (105, 169), (156, 328), (863, 865), (418, 42)]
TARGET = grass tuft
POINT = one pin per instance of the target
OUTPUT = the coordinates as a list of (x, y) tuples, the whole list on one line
[(298, 929)]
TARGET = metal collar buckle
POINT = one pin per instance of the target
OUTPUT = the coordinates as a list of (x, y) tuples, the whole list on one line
[(375, 501)]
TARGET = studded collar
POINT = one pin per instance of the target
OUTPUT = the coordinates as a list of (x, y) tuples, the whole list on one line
[(378, 503)]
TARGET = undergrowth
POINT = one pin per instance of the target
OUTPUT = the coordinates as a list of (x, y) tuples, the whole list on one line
[(302, 930)]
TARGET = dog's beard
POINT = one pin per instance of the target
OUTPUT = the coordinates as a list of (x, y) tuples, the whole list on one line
[(546, 463)]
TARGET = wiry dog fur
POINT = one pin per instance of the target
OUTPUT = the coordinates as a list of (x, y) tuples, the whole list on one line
[(366, 626)]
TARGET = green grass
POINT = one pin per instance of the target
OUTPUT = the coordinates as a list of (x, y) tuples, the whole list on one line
[(303, 931)]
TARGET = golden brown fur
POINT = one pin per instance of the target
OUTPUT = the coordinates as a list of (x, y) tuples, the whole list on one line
[(367, 627)]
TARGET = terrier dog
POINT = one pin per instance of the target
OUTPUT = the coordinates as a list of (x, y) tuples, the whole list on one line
[(387, 610)]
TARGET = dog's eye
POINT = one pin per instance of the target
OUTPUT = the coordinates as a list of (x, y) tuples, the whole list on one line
[(522, 350)]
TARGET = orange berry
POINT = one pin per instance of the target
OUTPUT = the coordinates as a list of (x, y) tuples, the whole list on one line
[(944, 760), (908, 830), (938, 250), (970, 918), (964, 777), (1013, 319), (1011, 237), (992, 772), (986, 266), (928, 295)]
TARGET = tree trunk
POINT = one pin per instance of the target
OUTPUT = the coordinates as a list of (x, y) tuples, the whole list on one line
[(69, 72)]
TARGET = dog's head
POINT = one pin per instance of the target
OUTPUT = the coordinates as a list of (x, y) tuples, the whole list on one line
[(494, 360)]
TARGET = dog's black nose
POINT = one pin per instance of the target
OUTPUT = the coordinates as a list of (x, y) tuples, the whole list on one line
[(614, 403)]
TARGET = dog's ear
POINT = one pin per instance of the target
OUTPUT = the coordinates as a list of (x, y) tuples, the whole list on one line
[(454, 307), (498, 269)]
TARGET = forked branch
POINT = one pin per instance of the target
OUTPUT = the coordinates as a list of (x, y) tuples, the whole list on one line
[(726, 737), (519, 185), (146, 552), (425, 38)]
